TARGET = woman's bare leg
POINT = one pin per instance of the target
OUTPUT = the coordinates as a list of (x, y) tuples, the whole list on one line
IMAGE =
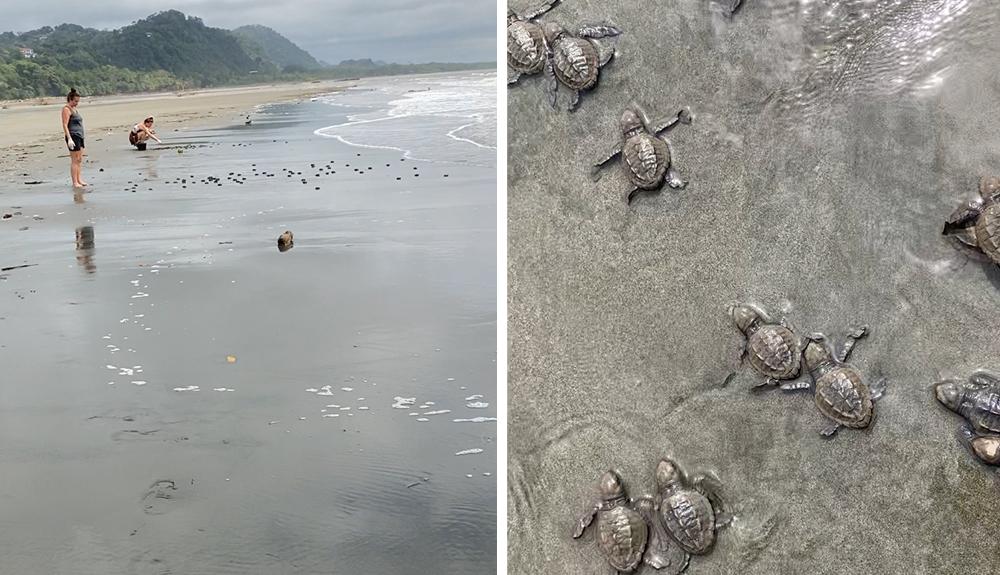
[(74, 168)]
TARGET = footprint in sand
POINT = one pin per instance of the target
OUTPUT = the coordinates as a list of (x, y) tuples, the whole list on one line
[(160, 497)]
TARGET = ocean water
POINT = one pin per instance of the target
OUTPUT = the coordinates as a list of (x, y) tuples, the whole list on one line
[(442, 117), (178, 396)]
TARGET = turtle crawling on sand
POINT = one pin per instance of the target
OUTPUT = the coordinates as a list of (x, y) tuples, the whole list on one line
[(525, 42), (978, 401), (645, 154), (977, 223), (774, 350), (622, 528), (840, 393), (690, 509), (575, 60)]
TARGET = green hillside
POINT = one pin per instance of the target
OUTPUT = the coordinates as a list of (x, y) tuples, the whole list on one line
[(275, 48), (166, 51)]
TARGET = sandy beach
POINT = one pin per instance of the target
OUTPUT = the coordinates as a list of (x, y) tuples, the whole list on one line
[(179, 396), (829, 143)]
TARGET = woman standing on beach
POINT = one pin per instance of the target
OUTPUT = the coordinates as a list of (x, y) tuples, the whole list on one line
[(72, 124)]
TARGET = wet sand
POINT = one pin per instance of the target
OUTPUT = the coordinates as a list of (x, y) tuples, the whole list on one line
[(133, 443), (824, 156)]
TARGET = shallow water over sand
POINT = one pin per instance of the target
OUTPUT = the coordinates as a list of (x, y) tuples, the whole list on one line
[(825, 153), (179, 396)]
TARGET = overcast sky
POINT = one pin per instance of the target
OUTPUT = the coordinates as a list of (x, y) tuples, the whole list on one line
[(331, 30)]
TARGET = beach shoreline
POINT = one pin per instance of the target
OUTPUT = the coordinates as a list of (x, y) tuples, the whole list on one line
[(29, 125)]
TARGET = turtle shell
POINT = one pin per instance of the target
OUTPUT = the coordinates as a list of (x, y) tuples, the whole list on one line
[(525, 47), (690, 519), (774, 351), (988, 231), (623, 534), (844, 398), (647, 159), (575, 62), (982, 409)]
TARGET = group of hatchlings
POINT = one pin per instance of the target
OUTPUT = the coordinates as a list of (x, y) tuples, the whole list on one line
[(663, 532), (682, 519)]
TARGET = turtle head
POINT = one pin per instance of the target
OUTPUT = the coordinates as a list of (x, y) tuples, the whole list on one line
[(553, 31), (667, 474), (989, 187), (611, 486), (950, 393), (744, 316), (817, 352), (630, 122)]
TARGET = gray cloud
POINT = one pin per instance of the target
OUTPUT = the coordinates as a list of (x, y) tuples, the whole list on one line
[(392, 30)]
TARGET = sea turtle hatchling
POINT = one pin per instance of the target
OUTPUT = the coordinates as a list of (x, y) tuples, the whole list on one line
[(622, 529), (977, 223), (525, 42), (645, 153), (691, 509), (575, 60), (774, 350), (840, 393), (978, 401)]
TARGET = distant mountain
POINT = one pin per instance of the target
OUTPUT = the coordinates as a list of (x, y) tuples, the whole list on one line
[(275, 48), (166, 51)]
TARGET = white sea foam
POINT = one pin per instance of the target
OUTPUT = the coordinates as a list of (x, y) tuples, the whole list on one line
[(444, 117)]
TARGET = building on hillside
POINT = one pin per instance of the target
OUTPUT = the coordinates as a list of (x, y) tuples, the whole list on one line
[(27, 52)]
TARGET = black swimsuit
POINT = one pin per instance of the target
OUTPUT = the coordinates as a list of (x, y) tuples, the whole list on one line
[(75, 127)]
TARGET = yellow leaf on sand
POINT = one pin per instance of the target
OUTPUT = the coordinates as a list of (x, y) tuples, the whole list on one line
[(231, 358)]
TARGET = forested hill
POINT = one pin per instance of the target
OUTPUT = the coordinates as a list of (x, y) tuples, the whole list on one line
[(165, 51), (275, 48)]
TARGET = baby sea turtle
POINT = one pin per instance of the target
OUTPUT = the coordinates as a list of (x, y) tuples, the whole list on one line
[(645, 153), (525, 42), (978, 401), (774, 350), (575, 60), (691, 509), (622, 529), (840, 393), (977, 223)]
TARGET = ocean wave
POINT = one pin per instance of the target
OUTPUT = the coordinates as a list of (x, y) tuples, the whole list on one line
[(439, 118)]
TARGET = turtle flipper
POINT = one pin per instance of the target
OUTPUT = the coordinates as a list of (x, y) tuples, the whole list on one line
[(796, 385), (585, 521), (984, 379), (595, 171), (709, 485), (853, 335), (512, 76), (542, 9), (963, 217), (662, 552), (674, 180), (662, 125), (830, 430), (574, 100), (551, 85), (878, 388), (631, 195), (598, 31)]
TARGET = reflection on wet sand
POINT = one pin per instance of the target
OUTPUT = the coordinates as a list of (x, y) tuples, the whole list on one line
[(78, 196), (85, 248)]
